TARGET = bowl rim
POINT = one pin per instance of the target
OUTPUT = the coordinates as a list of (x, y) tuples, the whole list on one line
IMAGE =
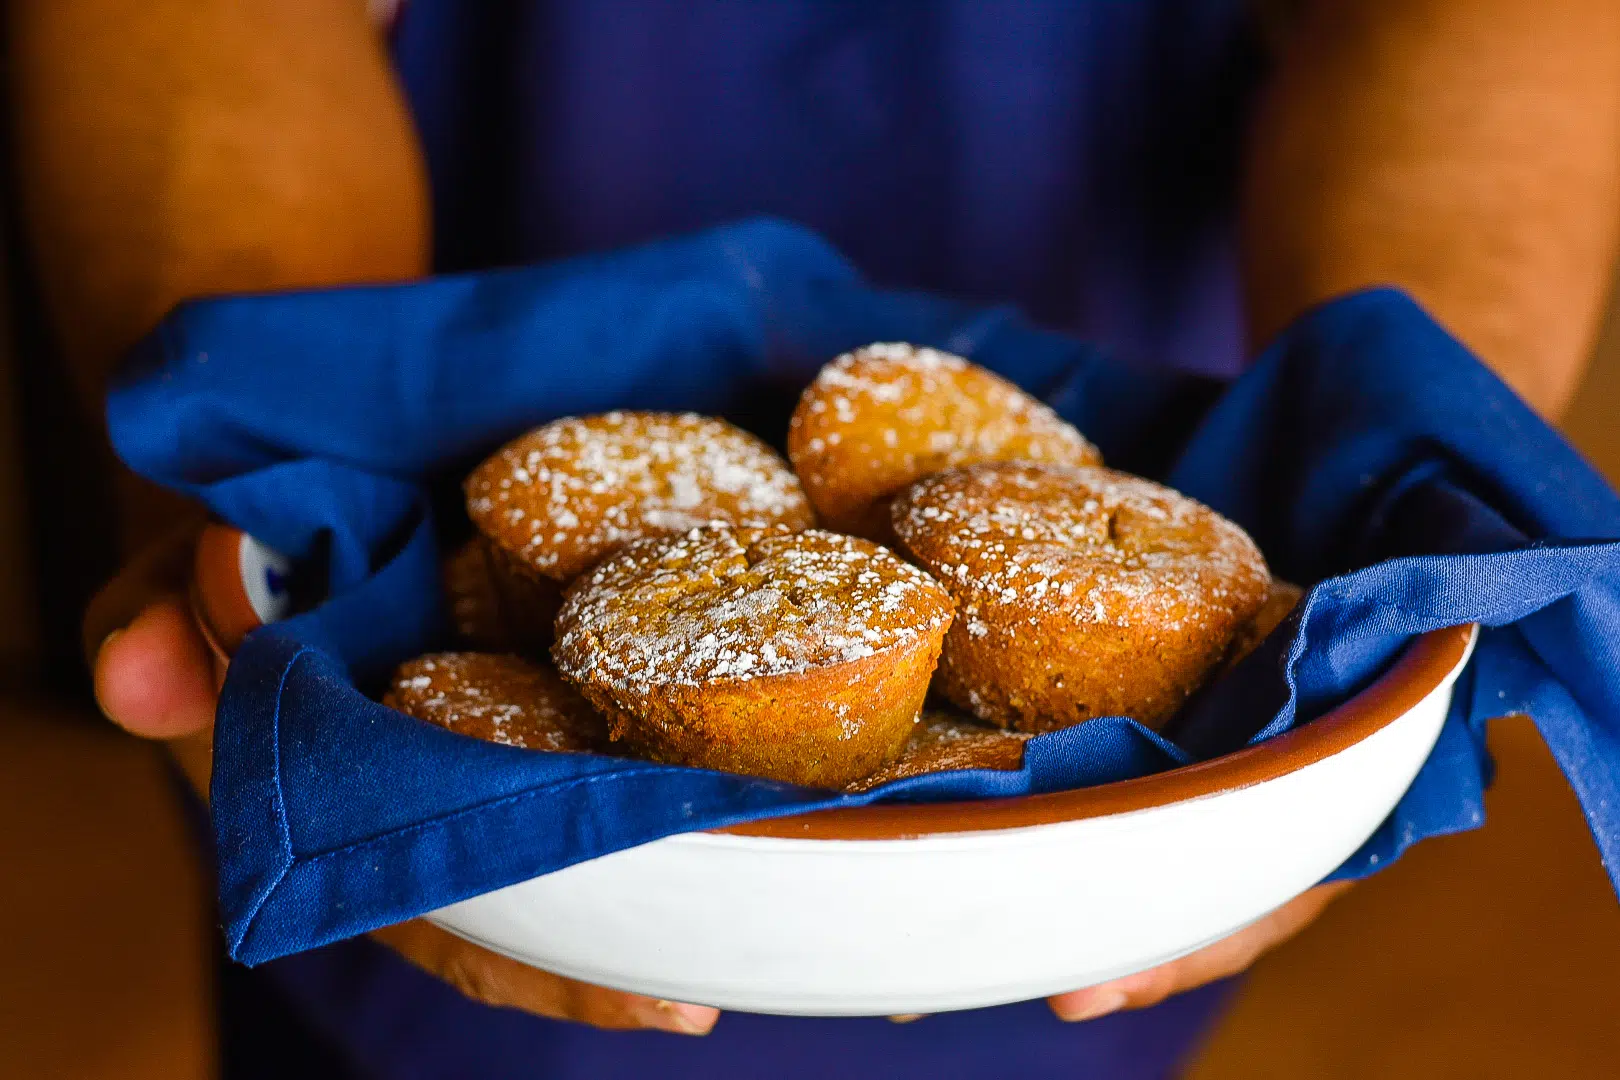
[(225, 615)]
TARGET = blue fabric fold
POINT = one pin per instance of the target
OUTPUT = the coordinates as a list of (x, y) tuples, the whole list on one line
[(1367, 451)]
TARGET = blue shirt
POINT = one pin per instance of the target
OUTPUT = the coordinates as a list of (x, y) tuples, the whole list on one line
[(1076, 157)]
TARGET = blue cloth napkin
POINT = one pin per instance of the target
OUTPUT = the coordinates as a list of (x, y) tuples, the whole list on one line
[(1366, 451)]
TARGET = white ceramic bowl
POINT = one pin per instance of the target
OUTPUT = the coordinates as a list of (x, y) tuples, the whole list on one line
[(895, 909), (915, 909)]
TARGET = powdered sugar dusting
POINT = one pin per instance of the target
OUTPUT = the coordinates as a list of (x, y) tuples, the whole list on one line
[(737, 604), (566, 494), (1089, 545), (880, 417), (500, 698)]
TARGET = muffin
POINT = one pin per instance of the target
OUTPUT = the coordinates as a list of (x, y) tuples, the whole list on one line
[(945, 742), (498, 698), (469, 591), (878, 419), (802, 657), (496, 603), (557, 500), (1081, 592), (1281, 600)]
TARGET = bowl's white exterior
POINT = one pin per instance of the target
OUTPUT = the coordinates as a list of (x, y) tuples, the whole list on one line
[(875, 927)]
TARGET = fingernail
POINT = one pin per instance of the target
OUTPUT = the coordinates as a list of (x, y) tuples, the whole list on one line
[(906, 1018), (108, 640), (95, 688), (1092, 1006), (685, 1019)]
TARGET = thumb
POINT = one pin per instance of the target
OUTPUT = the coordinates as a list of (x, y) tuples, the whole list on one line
[(152, 669), (155, 677)]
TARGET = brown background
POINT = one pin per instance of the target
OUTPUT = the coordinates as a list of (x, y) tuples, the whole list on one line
[(1494, 954)]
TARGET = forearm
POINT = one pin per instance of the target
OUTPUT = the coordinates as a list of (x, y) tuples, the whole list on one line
[(1467, 151), (172, 148)]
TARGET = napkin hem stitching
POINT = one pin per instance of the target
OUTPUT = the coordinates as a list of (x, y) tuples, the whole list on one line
[(283, 826)]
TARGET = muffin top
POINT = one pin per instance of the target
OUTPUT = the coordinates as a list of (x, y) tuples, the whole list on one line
[(564, 495), (499, 698), (1086, 545), (879, 418), (722, 603)]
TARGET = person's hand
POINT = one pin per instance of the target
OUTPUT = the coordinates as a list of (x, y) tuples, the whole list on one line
[(1226, 957), (155, 676)]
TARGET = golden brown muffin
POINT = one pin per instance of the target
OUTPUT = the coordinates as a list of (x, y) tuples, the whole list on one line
[(802, 657), (498, 698), (945, 742), (877, 419), (470, 594), (565, 495), (1281, 600), (496, 603), (1080, 592)]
